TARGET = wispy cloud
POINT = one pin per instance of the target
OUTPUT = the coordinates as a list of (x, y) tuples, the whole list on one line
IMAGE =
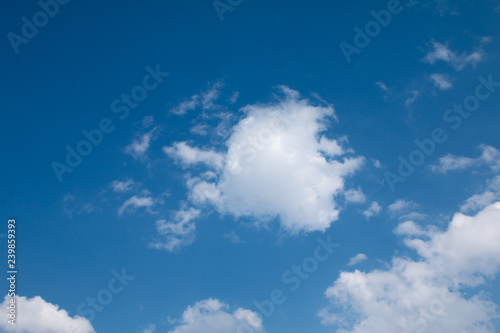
[(441, 81), (138, 148), (414, 94), (122, 186), (357, 259), (232, 237), (401, 206), (381, 85), (178, 233), (135, 202), (204, 100), (373, 210), (187, 155), (441, 52), (490, 156)]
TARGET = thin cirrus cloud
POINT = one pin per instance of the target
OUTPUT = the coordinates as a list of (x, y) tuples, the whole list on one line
[(426, 294), (213, 316), (39, 316)]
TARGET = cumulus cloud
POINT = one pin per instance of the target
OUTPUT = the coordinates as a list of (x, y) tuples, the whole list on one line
[(38, 316), (357, 259), (277, 163), (441, 52), (178, 233), (373, 210), (441, 81), (425, 295), (213, 316), (490, 156)]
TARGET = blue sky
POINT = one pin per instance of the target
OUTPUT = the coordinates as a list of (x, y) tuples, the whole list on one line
[(242, 158)]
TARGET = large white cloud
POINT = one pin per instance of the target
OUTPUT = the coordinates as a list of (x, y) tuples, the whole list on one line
[(278, 162), (212, 316), (34, 315), (425, 295)]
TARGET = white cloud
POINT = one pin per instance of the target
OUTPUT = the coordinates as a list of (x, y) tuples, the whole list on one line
[(441, 52), (414, 94), (38, 316), (138, 147), (186, 106), (490, 156), (412, 216), (234, 97), (209, 96), (151, 328), (401, 206), (148, 121), (357, 259), (373, 210), (232, 237), (441, 81), (278, 164), (355, 195), (212, 316), (136, 202), (425, 295), (176, 234), (479, 201), (204, 100), (376, 163), (187, 155), (381, 85), (122, 186)]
